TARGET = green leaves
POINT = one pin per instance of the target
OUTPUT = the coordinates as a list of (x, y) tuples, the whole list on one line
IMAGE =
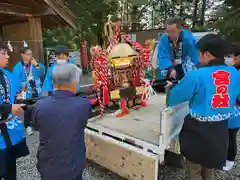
[(228, 20), (91, 16)]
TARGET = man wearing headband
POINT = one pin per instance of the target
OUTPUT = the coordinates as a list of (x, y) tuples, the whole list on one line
[(212, 91), (177, 53), (62, 57)]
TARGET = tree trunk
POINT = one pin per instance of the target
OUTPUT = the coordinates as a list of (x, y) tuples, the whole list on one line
[(135, 20), (181, 8), (173, 8), (203, 9), (195, 13)]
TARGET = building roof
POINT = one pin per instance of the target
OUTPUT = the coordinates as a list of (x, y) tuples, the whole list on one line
[(51, 12)]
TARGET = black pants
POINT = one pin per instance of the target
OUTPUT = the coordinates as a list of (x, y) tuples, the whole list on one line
[(11, 169), (8, 160), (232, 148), (28, 118), (197, 172)]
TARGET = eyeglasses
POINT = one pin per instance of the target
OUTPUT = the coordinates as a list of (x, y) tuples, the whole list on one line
[(4, 53), (28, 54)]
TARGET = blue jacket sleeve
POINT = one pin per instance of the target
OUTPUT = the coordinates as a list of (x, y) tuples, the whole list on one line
[(194, 51), (47, 84), (41, 72), (184, 90), (164, 54), (79, 87), (17, 76)]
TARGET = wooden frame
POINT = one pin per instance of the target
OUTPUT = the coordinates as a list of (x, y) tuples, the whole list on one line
[(63, 12), (122, 159), (17, 10)]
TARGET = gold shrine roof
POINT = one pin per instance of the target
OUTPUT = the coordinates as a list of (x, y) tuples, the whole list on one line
[(122, 50)]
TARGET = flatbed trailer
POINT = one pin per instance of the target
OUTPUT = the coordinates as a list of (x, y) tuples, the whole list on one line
[(134, 145)]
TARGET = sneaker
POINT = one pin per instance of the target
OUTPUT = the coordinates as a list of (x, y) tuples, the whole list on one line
[(229, 165), (29, 131)]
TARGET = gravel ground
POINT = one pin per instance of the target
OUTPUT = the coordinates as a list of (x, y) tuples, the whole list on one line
[(27, 168)]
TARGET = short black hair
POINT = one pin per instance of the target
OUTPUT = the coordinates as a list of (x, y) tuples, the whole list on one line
[(175, 20), (214, 44), (236, 50), (4, 46), (25, 49), (61, 50)]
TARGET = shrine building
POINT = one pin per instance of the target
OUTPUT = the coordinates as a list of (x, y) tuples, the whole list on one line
[(24, 20)]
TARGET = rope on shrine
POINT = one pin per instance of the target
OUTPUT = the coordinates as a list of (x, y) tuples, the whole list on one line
[(101, 72), (101, 66)]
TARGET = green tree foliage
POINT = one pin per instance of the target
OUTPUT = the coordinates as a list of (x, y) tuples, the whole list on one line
[(228, 17), (91, 15)]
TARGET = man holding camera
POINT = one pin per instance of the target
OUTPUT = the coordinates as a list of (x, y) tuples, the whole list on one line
[(61, 119), (12, 135)]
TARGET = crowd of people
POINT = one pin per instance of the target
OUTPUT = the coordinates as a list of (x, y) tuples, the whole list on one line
[(60, 155), (208, 136)]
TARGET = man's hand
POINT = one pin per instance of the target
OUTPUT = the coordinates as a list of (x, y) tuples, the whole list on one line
[(173, 74), (35, 63), (17, 109), (169, 84)]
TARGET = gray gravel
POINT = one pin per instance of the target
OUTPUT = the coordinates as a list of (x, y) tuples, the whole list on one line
[(27, 168)]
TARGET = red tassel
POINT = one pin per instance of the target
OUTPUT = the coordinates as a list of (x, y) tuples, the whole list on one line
[(123, 108), (105, 95)]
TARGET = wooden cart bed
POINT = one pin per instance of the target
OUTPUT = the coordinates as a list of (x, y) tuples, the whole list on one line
[(143, 124)]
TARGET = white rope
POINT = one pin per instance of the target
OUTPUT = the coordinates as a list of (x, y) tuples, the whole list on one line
[(149, 90)]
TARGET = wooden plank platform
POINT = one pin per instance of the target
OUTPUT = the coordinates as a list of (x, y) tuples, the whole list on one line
[(143, 124), (130, 164)]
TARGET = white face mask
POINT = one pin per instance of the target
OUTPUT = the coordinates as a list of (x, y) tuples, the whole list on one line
[(61, 61)]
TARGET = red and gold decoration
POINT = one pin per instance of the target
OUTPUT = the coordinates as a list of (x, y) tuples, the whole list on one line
[(119, 71)]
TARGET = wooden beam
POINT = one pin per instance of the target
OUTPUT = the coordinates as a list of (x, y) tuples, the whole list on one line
[(45, 12), (62, 12), (36, 40), (13, 20), (16, 10), (10, 9)]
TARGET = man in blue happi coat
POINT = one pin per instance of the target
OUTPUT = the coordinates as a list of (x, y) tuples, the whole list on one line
[(62, 57), (212, 91), (177, 53), (29, 75), (12, 135)]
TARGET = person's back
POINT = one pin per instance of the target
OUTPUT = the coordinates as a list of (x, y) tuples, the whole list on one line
[(60, 120), (211, 91), (61, 128), (209, 83)]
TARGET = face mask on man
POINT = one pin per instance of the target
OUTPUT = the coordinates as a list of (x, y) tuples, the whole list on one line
[(61, 61)]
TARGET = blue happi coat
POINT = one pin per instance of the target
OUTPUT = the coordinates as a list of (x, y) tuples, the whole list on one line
[(48, 82), (188, 53), (21, 73), (15, 126), (211, 90), (234, 122)]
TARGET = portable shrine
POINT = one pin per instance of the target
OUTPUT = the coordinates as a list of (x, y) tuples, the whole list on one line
[(119, 70)]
